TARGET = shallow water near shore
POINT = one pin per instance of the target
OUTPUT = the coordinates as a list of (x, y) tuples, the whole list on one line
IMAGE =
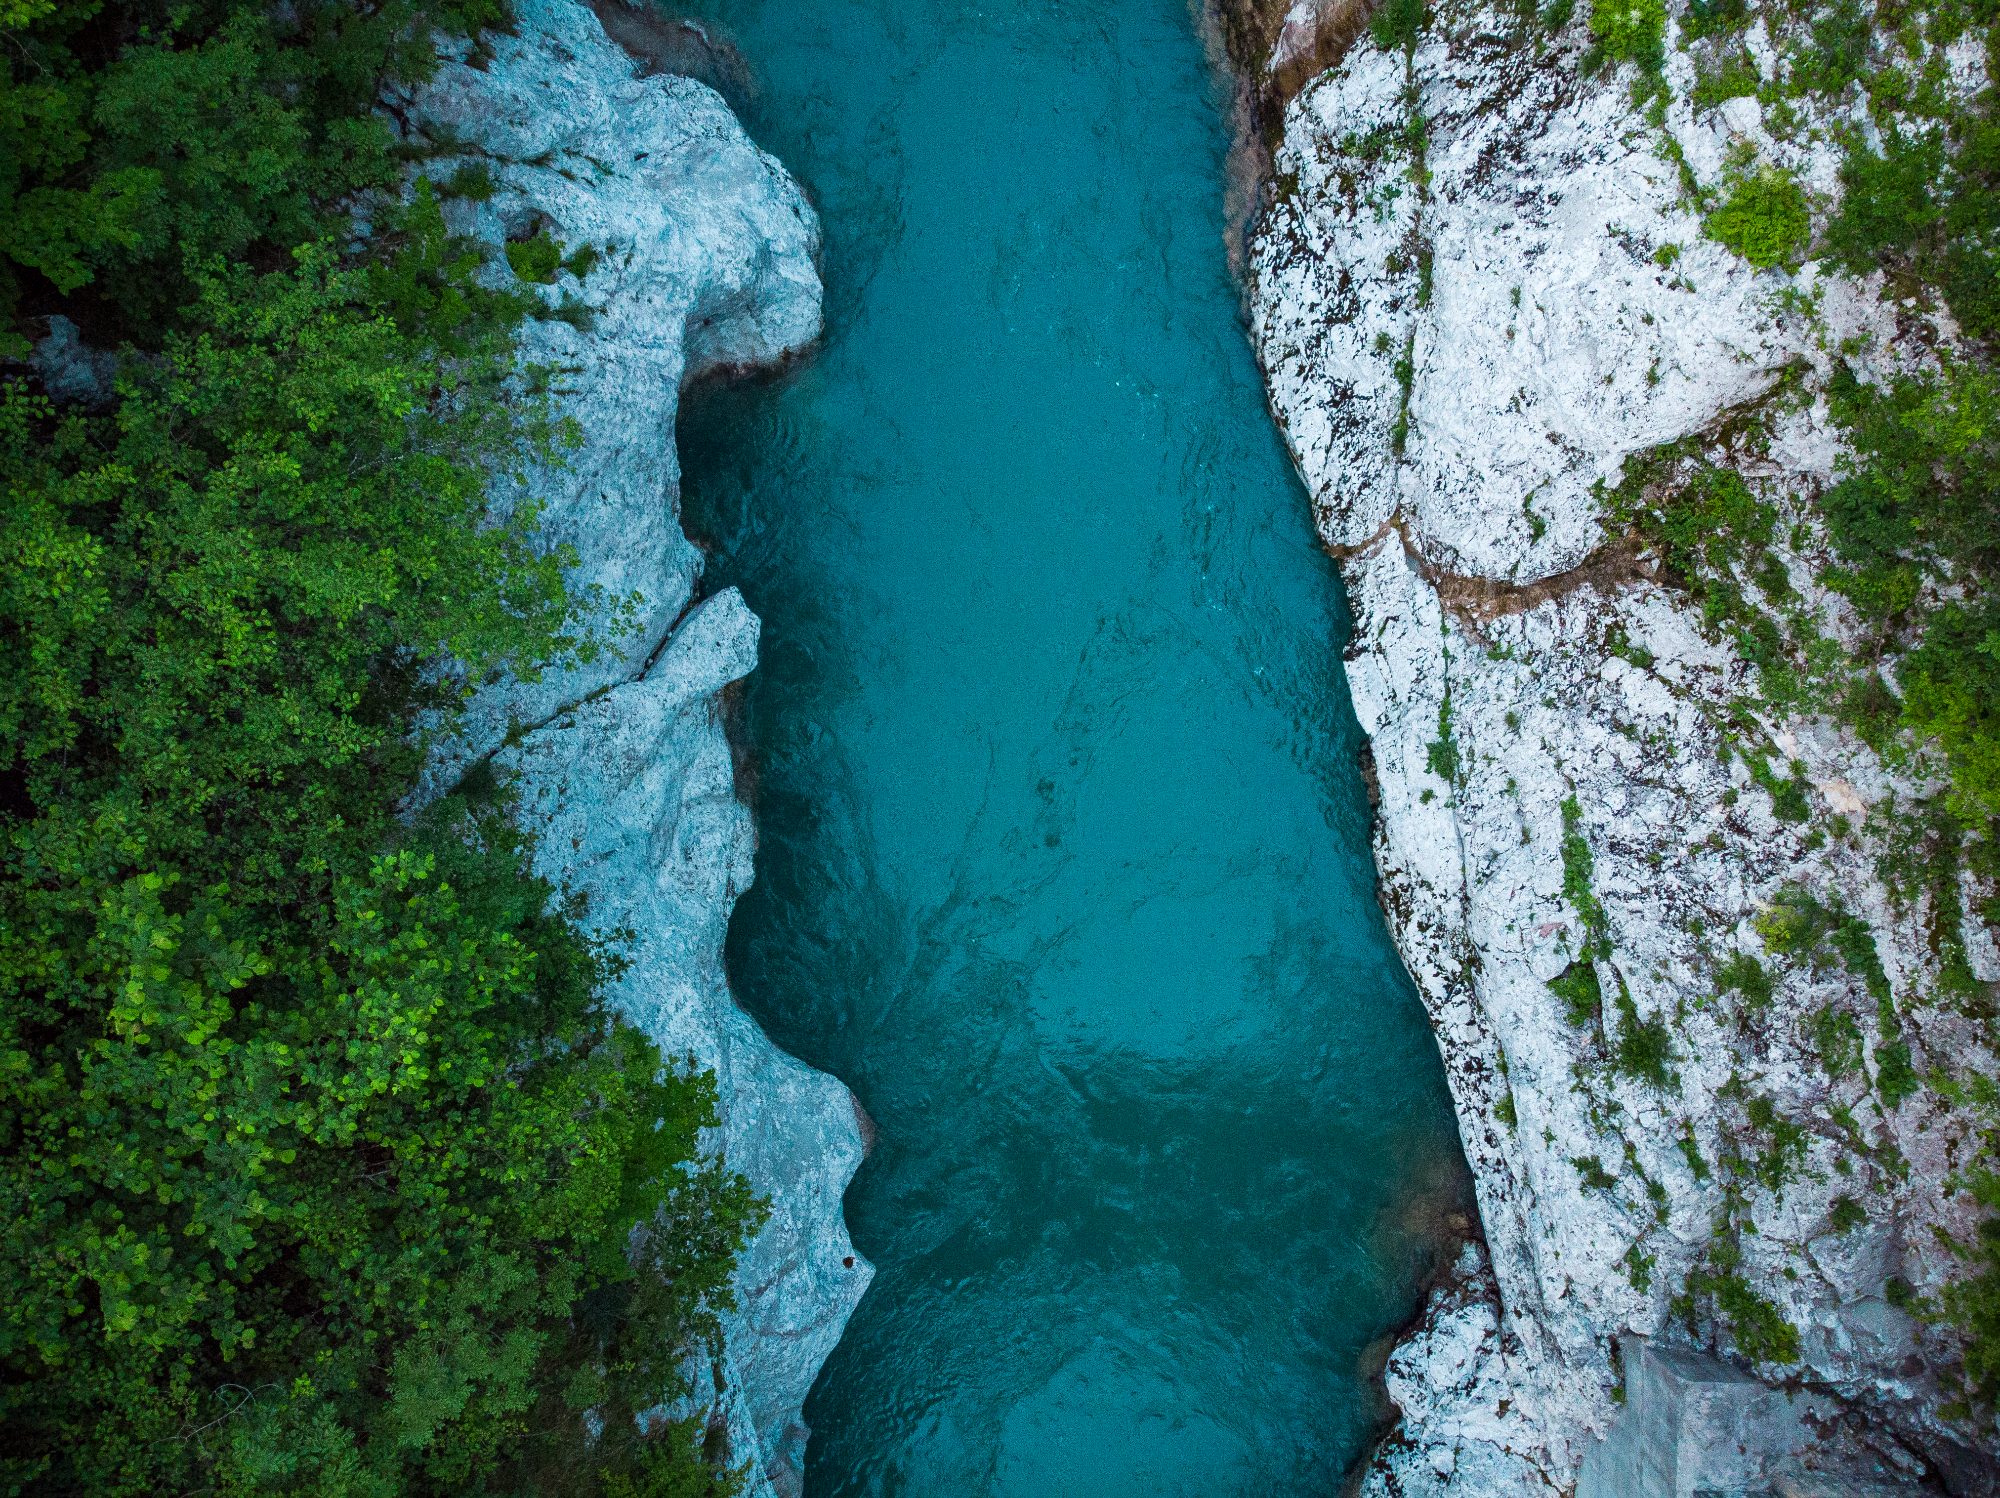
[(1064, 856)]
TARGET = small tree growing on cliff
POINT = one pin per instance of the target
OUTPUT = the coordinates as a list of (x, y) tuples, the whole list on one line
[(1630, 30), (1764, 218), (1396, 25)]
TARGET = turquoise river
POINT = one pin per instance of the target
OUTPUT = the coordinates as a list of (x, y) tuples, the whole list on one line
[(1063, 859)]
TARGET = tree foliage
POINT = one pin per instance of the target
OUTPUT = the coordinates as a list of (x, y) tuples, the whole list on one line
[(138, 138), (1919, 503), (1396, 24), (1764, 218), (325, 1167), (221, 595), (315, 1205), (1630, 30)]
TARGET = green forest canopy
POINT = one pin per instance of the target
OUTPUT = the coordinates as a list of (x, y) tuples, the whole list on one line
[(324, 1167)]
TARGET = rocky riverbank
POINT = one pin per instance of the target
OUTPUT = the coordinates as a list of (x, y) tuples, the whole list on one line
[(1677, 936), (685, 250)]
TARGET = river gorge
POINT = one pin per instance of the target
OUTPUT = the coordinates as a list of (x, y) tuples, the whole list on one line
[(1255, 929), (1063, 851)]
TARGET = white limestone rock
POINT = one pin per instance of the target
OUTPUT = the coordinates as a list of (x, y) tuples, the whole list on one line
[(1464, 1401), (1493, 622), (622, 769), (707, 254), (69, 368), (1551, 341), (632, 799)]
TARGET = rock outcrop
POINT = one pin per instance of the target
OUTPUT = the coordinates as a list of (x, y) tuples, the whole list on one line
[(1483, 301), (704, 261)]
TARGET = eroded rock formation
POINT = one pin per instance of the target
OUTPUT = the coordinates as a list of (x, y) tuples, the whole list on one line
[(1484, 301), (704, 260)]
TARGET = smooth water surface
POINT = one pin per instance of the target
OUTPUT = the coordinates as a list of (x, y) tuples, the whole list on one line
[(1064, 862)]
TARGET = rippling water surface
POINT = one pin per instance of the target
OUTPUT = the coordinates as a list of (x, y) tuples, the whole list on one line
[(1064, 862)]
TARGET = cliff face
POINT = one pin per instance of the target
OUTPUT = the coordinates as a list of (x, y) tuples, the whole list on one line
[(704, 260), (1483, 302)]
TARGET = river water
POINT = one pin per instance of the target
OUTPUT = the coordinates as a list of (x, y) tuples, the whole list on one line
[(1064, 855)]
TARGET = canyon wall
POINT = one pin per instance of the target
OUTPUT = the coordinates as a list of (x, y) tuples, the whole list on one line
[(1489, 317), (704, 261), (1485, 305)]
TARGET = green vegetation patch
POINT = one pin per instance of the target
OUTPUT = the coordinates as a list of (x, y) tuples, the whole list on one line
[(328, 1169), (1745, 974), (1786, 1145), (1712, 531), (1756, 1325), (1691, 1152), (1645, 1047), (1396, 24), (1592, 1174), (1972, 1304), (536, 259), (1921, 501), (1836, 1035), (1578, 867), (1752, 1321), (1639, 1268), (1799, 926), (1630, 30), (473, 181), (1788, 793), (1895, 1074), (1405, 370), (1735, 78), (1712, 17), (1441, 755), (1765, 218), (1582, 995)]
